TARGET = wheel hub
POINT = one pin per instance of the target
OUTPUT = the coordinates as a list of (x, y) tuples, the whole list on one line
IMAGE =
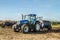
[(26, 29)]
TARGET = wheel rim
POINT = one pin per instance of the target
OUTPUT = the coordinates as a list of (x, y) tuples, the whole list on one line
[(26, 29), (14, 28), (37, 27)]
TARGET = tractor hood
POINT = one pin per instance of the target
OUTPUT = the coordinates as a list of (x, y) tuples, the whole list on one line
[(23, 21)]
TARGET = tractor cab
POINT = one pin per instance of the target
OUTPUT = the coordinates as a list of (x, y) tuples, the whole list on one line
[(30, 18)]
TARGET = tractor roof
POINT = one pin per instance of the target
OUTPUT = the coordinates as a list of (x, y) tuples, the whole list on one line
[(31, 14)]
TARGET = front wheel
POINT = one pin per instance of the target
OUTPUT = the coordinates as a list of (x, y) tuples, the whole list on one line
[(14, 27), (37, 27), (25, 28)]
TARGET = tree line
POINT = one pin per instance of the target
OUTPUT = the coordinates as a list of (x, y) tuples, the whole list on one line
[(55, 22)]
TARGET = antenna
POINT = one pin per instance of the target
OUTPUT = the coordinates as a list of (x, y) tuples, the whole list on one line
[(22, 16)]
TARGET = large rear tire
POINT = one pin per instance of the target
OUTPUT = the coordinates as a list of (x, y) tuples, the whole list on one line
[(37, 27), (25, 28)]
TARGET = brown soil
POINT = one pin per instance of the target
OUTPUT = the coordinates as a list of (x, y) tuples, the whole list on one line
[(9, 34)]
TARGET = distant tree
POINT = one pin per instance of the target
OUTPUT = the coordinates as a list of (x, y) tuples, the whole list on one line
[(55, 22)]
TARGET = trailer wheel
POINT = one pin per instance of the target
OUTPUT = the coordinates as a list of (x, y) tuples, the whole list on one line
[(37, 27), (25, 28), (15, 29)]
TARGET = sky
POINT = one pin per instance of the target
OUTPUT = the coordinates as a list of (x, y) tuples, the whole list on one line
[(13, 9)]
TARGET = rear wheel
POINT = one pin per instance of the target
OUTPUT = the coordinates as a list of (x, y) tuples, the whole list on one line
[(37, 27), (25, 28)]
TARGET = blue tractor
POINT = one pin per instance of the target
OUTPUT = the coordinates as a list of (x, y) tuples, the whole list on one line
[(28, 23)]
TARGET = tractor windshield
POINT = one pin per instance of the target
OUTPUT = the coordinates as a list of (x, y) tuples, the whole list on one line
[(29, 17), (33, 18), (26, 17)]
